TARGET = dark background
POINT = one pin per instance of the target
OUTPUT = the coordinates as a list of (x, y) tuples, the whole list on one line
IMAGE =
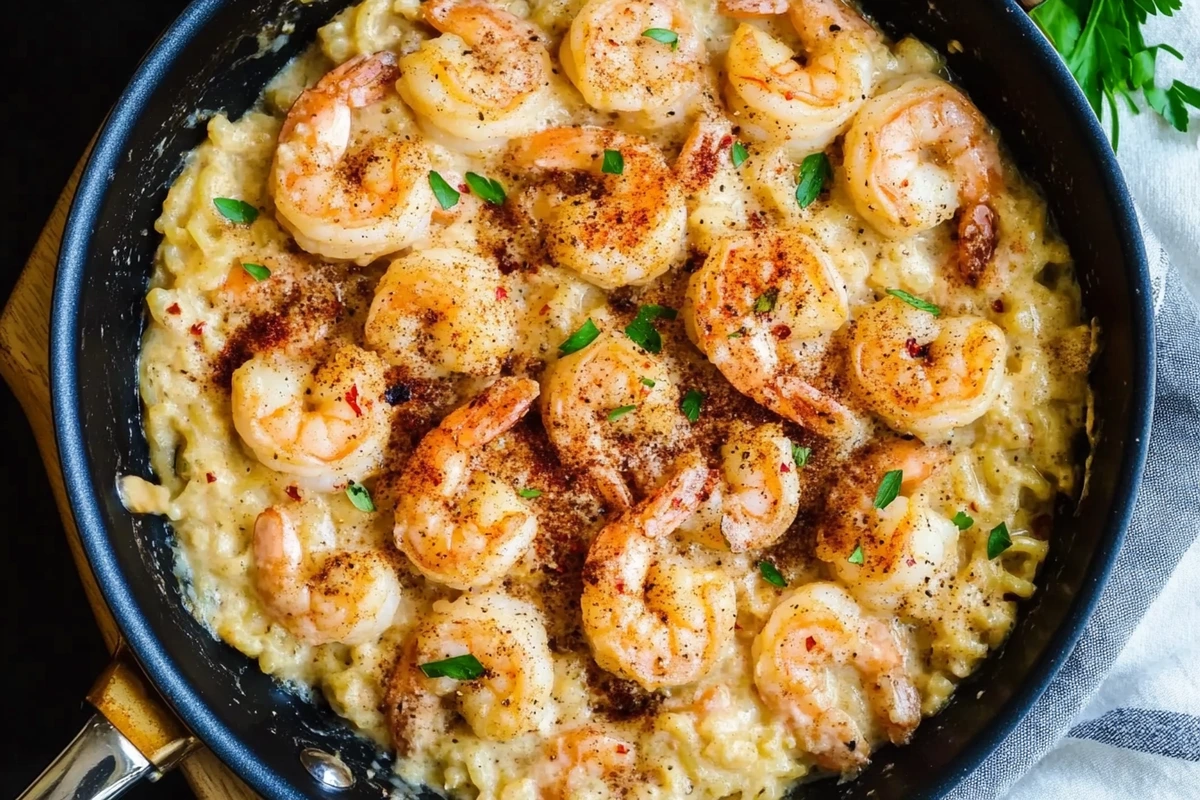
[(66, 64)]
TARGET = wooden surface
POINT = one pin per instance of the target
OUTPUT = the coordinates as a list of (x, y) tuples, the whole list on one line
[(25, 366)]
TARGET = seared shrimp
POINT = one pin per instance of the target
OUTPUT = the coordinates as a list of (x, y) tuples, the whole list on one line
[(762, 308), (613, 229), (650, 616), (486, 77), (758, 496), (916, 155), (512, 696), (457, 525), (327, 426), (713, 186), (582, 760), (321, 594), (906, 547), (616, 67), (582, 391), (926, 375), (835, 674), (344, 191), (805, 103), (439, 312)]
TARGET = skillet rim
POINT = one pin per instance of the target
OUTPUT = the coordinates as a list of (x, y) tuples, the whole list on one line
[(163, 670)]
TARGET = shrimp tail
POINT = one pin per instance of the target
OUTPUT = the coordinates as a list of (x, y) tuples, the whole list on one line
[(414, 716), (977, 236), (496, 410), (678, 498)]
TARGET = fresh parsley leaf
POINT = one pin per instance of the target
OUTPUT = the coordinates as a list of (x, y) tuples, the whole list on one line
[(447, 196), (238, 211), (1102, 44), (691, 404), (771, 574), (800, 455), (360, 497), (460, 668), (642, 330), (889, 488), (739, 154), (257, 271), (649, 383), (766, 301), (916, 302), (998, 540), (663, 36), (580, 339), (529, 494), (814, 173), (739, 333), (619, 412), (487, 189), (857, 556), (962, 520), (613, 163)]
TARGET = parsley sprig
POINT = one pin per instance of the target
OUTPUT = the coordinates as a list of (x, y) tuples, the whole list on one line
[(1102, 43)]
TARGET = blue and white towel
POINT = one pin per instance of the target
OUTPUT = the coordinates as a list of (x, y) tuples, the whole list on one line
[(1122, 719)]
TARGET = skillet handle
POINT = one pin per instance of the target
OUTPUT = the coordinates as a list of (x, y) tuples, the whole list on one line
[(131, 736)]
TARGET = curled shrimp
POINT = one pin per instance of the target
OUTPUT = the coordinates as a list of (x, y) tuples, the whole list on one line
[(758, 496), (460, 526), (579, 760), (925, 375), (613, 229), (616, 67), (583, 392), (486, 77), (815, 663), (440, 311), (321, 594), (906, 548), (326, 426), (916, 155), (512, 696), (343, 189), (805, 104), (649, 615), (762, 308)]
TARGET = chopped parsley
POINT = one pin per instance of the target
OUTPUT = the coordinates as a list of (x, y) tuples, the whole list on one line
[(801, 455), (642, 331), (962, 521), (488, 189), (614, 162), (460, 668), (257, 271), (619, 412), (447, 196), (857, 556), (238, 211), (663, 36), (916, 302), (360, 497), (691, 404), (814, 173), (771, 574), (649, 383), (580, 339), (889, 488), (529, 494), (765, 302), (998, 540), (738, 154)]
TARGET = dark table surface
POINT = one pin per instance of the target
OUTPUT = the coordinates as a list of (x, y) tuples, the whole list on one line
[(66, 63)]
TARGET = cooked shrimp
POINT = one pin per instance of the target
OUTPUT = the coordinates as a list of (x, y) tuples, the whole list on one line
[(327, 427), (906, 547), (613, 229), (344, 190), (923, 374), (917, 154), (762, 308), (835, 674), (439, 312), (321, 594), (486, 77), (457, 525), (583, 390), (715, 200), (616, 67), (650, 615), (758, 496), (805, 103), (513, 696), (582, 760)]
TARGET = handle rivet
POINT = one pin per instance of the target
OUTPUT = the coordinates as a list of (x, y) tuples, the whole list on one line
[(326, 769)]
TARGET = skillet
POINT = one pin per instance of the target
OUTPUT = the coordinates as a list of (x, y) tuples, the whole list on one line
[(220, 53)]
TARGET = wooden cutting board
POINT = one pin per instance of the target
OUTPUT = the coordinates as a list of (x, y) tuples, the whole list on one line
[(25, 366)]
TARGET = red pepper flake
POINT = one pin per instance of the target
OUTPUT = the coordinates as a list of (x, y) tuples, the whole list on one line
[(544, 310), (293, 492), (726, 141), (781, 332), (501, 293), (998, 306), (784, 467), (352, 400), (676, 502), (737, 627), (910, 561), (208, 476), (916, 350), (810, 643), (198, 328), (174, 309), (620, 587), (622, 749), (464, 188)]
